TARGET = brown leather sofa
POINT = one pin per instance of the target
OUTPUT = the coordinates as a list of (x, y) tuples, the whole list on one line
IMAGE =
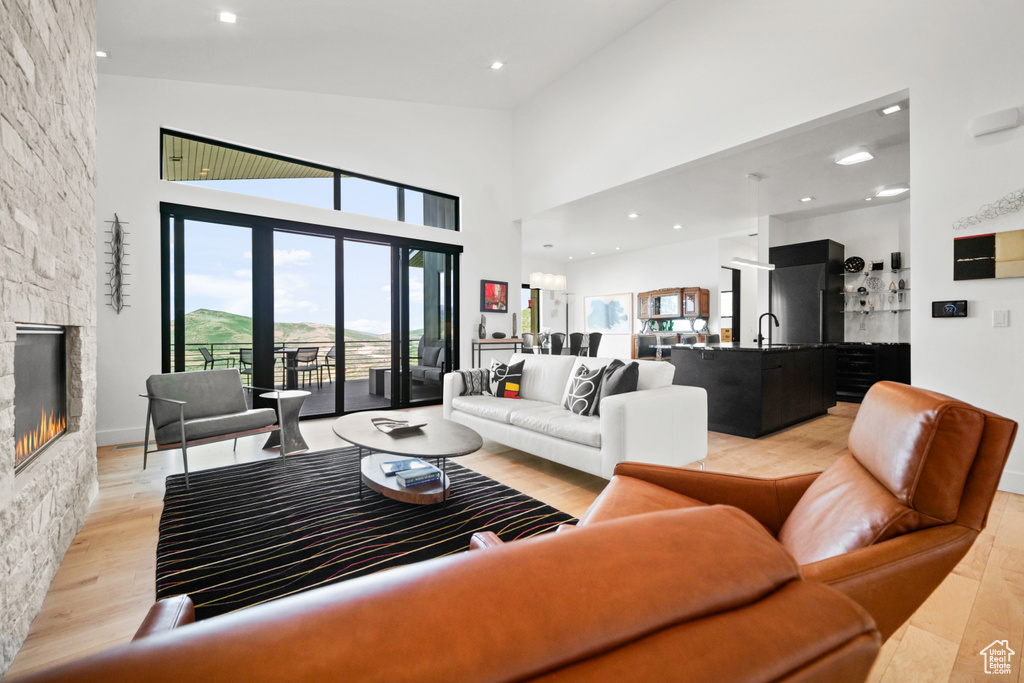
[(681, 595), (885, 524)]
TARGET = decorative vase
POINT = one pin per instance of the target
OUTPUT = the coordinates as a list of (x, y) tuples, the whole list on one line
[(483, 327), (514, 326), (896, 260), (903, 284)]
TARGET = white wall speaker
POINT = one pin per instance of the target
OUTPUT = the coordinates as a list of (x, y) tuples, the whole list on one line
[(995, 122)]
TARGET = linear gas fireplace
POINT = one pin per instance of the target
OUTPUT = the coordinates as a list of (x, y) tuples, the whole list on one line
[(40, 390)]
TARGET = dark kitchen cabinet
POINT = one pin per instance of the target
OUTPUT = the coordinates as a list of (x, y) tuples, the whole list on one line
[(858, 366), (753, 392)]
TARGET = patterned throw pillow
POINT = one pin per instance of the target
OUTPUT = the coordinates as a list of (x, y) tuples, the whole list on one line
[(618, 378), (475, 382), (505, 379), (584, 391)]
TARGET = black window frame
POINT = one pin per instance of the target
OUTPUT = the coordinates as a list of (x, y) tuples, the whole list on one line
[(172, 218)]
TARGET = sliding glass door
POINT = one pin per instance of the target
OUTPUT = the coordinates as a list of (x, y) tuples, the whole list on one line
[(426, 323), (264, 296), (304, 314), (212, 297), (367, 284)]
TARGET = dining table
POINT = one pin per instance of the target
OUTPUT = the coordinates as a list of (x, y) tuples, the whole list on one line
[(291, 371)]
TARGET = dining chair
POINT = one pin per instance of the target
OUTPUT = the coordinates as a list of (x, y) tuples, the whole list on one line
[(595, 341), (528, 341), (576, 343), (557, 342)]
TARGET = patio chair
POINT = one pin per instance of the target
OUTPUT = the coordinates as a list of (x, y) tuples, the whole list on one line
[(245, 362), (575, 343), (330, 362), (595, 341), (306, 362), (210, 361)]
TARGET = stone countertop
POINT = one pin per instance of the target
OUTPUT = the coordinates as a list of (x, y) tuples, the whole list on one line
[(752, 346)]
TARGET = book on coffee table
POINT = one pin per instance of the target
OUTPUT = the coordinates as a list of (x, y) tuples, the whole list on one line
[(418, 476), (393, 467)]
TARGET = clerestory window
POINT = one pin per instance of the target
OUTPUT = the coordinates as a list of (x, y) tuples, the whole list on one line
[(209, 163)]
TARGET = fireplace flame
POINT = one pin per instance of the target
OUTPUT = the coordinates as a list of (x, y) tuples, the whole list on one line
[(50, 425)]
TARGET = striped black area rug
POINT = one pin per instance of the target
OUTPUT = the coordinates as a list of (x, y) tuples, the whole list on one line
[(249, 533)]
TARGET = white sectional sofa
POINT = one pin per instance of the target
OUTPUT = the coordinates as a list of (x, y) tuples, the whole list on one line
[(659, 423)]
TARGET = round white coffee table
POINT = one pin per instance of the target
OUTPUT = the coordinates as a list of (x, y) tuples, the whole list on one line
[(438, 440)]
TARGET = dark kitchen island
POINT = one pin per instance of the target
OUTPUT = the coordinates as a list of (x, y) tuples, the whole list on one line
[(752, 390)]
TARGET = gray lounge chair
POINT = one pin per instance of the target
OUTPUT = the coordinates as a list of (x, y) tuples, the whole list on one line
[(194, 408)]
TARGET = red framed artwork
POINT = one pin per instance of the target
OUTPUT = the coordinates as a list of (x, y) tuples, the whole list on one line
[(493, 296)]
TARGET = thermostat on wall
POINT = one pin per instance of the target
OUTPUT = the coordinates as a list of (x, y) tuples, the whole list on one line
[(949, 309)]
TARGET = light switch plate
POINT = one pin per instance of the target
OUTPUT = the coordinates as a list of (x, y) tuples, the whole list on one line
[(1001, 318)]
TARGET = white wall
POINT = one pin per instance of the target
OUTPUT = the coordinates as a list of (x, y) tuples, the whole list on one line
[(460, 151), (700, 77), (685, 264), (872, 233), (742, 247)]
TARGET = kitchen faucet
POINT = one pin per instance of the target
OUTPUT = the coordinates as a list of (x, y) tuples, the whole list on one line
[(760, 338)]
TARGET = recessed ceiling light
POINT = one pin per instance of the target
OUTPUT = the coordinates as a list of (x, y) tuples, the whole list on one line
[(570, 258), (807, 199), (892, 190), (634, 215), (497, 65), (617, 248), (101, 54), (227, 17), (868, 199), (891, 110), (854, 156), (592, 253), (677, 227)]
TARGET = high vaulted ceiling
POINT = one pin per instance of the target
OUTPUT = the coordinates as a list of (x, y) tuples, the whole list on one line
[(432, 51)]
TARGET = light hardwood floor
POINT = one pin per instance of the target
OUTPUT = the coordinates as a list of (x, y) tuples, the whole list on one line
[(105, 584)]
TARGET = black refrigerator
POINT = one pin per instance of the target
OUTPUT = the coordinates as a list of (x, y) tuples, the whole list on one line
[(806, 292)]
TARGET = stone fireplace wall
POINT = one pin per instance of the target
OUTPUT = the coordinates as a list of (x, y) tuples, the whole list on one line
[(47, 275)]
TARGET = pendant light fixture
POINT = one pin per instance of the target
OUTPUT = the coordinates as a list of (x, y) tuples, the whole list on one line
[(755, 213)]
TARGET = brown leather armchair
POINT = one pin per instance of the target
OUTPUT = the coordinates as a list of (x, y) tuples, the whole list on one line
[(615, 601), (885, 524)]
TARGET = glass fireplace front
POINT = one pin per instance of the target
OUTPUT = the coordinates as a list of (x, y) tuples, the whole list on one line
[(40, 390)]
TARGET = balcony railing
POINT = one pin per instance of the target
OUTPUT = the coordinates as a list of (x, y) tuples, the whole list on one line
[(360, 356)]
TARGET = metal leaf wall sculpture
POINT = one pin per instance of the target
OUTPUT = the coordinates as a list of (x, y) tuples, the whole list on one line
[(116, 279)]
